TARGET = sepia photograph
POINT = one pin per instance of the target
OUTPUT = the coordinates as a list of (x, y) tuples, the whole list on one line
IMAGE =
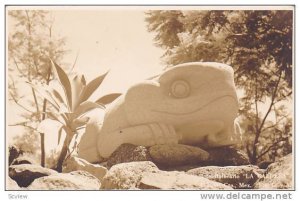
[(149, 98)]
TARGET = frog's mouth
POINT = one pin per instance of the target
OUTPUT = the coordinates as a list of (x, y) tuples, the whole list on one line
[(197, 109)]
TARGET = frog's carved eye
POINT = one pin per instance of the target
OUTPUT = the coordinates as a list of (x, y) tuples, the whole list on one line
[(180, 89)]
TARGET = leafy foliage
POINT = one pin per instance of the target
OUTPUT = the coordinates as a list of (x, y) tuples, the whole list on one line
[(71, 104), (28, 142), (30, 43), (258, 44)]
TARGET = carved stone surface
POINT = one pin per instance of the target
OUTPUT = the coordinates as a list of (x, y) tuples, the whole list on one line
[(145, 175), (171, 155), (77, 180), (279, 175), (178, 181), (24, 174), (11, 184), (23, 160), (238, 177), (75, 163), (127, 175), (128, 153), (226, 156), (191, 103)]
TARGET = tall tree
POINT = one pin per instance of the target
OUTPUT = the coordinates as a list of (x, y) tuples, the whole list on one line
[(258, 44), (30, 45)]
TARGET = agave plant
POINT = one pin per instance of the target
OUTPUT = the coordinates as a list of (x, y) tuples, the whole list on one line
[(71, 104)]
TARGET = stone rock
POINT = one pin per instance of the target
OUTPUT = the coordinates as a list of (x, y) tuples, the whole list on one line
[(14, 153), (191, 103), (88, 144), (77, 180), (23, 160), (170, 155), (24, 174), (226, 156), (279, 175), (127, 175), (128, 153), (238, 177), (264, 164), (74, 163), (182, 168), (178, 181), (145, 175), (11, 184)]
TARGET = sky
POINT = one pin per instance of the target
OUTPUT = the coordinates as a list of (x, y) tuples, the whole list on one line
[(114, 40)]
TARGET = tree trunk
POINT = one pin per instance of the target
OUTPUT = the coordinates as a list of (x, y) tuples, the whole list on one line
[(253, 158), (64, 150), (43, 153), (42, 149), (33, 91), (62, 156)]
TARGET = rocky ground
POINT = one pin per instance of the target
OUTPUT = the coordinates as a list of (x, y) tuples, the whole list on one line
[(178, 167)]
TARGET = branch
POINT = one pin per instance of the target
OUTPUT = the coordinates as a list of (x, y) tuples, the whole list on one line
[(16, 63), (283, 97), (36, 67), (268, 149), (248, 151), (272, 102), (256, 106), (23, 124), (35, 100), (282, 118), (257, 133), (16, 101), (45, 100), (74, 62), (259, 130)]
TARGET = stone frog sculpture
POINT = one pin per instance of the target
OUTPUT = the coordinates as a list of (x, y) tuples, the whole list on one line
[(191, 103)]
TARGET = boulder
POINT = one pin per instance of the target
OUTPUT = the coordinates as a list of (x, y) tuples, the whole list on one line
[(74, 163), (77, 180), (264, 164), (13, 153), (182, 168), (24, 174), (170, 155), (178, 181), (226, 156), (279, 175), (11, 184), (238, 177), (23, 160), (127, 175), (145, 175), (128, 153)]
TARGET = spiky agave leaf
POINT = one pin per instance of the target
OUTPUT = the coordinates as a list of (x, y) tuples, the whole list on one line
[(85, 107), (55, 85), (55, 94), (90, 88), (77, 84), (79, 122), (108, 98), (63, 78)]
